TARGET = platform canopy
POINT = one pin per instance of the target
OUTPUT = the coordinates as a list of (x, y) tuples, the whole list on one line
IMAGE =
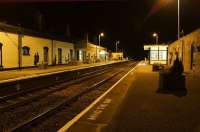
[(155, 47)]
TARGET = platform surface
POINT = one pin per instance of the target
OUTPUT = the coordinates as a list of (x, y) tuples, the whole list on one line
[(135, 105), (11, 75)]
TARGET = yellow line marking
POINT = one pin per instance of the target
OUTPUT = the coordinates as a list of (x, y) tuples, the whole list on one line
[(76, 118)]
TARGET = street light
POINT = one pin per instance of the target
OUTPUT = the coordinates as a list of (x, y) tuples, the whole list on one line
[(117, 42), (156, 36), (99, 39), (100, 35), (178, 19)]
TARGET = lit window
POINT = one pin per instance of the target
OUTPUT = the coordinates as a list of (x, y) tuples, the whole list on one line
[(80, 55), (26, 50), (154, 55)]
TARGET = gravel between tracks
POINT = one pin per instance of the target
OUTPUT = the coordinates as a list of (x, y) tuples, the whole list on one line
[(12, 117)]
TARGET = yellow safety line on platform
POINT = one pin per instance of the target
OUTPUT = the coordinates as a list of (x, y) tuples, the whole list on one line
[(76, 118)]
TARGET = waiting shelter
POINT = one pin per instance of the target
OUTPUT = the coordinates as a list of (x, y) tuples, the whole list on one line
[(157, 54)]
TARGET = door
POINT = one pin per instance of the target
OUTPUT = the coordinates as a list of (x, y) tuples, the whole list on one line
[(46, 54), (84, 56), (77, 55), (59, 56), (71, 54)]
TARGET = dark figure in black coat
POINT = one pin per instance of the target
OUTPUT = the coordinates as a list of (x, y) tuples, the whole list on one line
[(35, 59), (177, 68)]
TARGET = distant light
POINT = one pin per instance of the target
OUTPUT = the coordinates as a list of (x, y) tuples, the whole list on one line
[(155, 34), (101, 34)]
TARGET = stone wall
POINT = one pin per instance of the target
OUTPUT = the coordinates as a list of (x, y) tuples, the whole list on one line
[(186, 49)]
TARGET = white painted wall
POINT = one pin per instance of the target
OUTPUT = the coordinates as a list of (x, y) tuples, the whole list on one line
[(65, 46), (36, 44), (95, 50), (9, 49), (92, 52), (117, 55)]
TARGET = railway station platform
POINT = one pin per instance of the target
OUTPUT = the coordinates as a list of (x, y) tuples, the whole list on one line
[(134, 105), (11, 75)]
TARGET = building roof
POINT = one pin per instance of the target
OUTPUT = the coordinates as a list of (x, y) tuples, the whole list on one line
[(18, 29)]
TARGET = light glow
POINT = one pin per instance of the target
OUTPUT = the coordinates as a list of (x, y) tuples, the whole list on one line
[(102, 52), (155, 35), (101, 34)]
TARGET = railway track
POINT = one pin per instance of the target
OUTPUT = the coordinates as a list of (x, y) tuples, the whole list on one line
[(21, 98), (98, 78)]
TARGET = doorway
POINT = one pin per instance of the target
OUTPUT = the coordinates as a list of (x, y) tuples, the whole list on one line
[(77, 55), (59, 56), (46, 54), (71, 54)]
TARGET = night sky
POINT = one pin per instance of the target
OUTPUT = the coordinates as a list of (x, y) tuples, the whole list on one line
[(130, 22)]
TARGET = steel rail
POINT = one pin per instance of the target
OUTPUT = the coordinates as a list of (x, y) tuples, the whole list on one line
[(25, 124), (38, 96)]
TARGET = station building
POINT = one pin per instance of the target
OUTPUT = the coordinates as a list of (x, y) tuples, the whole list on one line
[(88, 52), (20, 48), (187, 49), (117, 56), (24, 48)]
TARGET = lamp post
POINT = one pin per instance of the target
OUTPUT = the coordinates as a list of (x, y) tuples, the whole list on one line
[(178, 19), (156, 36), (100, 35), (99, 42), (117, 42), (179, 29)]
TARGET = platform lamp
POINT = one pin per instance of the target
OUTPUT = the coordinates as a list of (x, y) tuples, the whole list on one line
[(99, 36), (99, 41), (155, 35)]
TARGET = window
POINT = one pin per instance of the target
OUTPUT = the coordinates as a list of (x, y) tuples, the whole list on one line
[(26, 50), (162, 55), (158, 54), (154, 55), (80, 55)]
